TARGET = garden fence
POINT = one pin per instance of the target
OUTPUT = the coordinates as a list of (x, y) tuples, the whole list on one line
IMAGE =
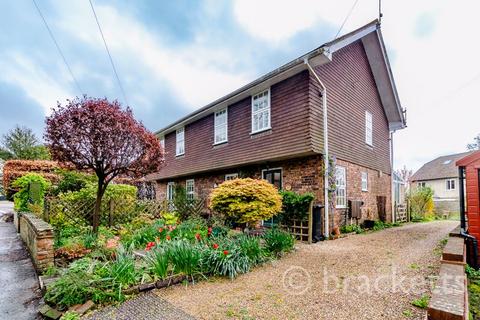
[(301, 229)]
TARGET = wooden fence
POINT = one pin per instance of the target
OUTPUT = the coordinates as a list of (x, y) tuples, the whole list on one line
[(301, 229)]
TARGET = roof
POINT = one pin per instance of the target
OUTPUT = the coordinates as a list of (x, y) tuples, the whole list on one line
[(439, 168), (472, 157), (371, 37)]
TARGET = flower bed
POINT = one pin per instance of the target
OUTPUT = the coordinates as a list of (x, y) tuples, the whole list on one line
[(147, 254)]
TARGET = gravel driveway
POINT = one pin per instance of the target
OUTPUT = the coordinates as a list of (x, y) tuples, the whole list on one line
[(367, 276)]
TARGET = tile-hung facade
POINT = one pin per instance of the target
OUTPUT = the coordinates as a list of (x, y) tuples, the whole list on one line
[(273, 129)]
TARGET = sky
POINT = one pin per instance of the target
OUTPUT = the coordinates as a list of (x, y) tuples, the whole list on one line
[(173, 57)]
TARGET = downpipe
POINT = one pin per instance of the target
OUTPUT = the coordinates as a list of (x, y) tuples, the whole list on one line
[(325, 148)]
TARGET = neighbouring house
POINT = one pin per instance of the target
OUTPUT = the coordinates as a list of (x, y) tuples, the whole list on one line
[(441, 174), (273, 128)]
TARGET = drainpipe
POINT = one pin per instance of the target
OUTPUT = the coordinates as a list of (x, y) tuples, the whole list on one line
[(392, 182), (325, 147)]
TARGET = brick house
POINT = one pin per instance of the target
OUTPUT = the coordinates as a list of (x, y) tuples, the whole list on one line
[(273, 128)]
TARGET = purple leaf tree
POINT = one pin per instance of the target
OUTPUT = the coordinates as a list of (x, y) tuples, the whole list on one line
[(99, 135)]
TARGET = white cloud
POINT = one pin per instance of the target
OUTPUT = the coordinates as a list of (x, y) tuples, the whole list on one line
[(39, 85), (186, 71)]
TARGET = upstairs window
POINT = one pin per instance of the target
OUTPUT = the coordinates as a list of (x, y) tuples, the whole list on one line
[(221, 124), (368, 128), (364, 181), (261, 111), (190, 189), (341, 191), (180, 149), (450, 184)]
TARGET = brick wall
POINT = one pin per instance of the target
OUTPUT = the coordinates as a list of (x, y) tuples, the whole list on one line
[(379, 184), (38, 238), (300, 175)]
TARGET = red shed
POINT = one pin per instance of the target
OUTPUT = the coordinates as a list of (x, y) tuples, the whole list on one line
[(469, 171)]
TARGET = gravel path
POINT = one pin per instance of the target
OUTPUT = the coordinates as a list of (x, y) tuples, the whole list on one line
[(368, 276)]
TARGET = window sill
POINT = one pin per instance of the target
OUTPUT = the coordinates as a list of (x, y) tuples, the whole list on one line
[(180, 155), (341, 207), (220, 143), (364, 190), (260, 131)]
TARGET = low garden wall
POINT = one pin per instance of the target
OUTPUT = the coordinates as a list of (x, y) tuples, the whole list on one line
[(450, 297), (38, 238)]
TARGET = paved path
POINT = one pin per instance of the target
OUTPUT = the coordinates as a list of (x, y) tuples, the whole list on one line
[(368, 276), (18, 281)]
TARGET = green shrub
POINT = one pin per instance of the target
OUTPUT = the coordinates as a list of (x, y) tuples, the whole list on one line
[(421, 203), (227, 260), (246, 200), (378, 225), (250, 246), (351, 228), (70, 315), (32, 189), (295, 206), (158, 261), (72, 181), (122, 270), (185, 257), (421, 302), (278, 241)]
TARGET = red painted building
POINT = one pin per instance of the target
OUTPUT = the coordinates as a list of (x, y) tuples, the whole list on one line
[(470, 208)]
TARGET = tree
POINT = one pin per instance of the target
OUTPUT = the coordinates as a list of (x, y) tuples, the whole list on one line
[(98, 135), (21, 143), (404, 173), (475, 145)]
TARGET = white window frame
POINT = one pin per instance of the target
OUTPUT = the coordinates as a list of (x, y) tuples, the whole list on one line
[(162, 142), (369, 128), (267, 109), (339, 187), (190, 189), (231, 176), (180, 141), (421, 184), (449, 183), (364, 181), (170, 191), (218, 126)]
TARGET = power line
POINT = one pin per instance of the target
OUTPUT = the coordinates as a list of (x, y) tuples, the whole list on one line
[(108, 52), (346, 18), (58, 47)]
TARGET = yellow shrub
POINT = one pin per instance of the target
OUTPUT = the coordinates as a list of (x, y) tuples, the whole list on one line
[(247, 200)]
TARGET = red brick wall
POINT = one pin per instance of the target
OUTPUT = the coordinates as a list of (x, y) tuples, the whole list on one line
[(379, 184)]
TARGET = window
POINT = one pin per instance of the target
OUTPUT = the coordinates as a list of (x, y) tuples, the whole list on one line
[(261, 111), (221, 124), (170, 191), (190, 188), (364, 181), (162, 142), (368, 128), (231, 176), (421, 184), (450, 183), (274, 176), (180, 142), (341, 191)]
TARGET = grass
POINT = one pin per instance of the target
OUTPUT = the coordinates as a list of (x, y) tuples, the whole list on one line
[(407, 313), (422, 302)]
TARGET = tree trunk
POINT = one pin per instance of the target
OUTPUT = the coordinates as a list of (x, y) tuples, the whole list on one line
[(98, 205)]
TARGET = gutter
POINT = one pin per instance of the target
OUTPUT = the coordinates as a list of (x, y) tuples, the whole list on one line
[(325, 148)]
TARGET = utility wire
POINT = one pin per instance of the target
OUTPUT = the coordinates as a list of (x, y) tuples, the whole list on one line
[(346, 18), (108, 52), (58, 47)]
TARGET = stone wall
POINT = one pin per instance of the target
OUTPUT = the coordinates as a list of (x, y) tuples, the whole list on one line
[(38, 238)]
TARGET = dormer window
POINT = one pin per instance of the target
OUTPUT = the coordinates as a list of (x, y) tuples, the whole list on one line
[(221, 126), (180, 145), (261, 111)]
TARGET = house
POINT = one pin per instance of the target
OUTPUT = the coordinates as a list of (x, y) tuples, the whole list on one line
[(273, 128), (441, 174)]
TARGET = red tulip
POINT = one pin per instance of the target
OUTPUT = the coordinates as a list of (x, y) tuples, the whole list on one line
[(215, 246), (160, 230), (225, 252), (198, 236), (168, 237)]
